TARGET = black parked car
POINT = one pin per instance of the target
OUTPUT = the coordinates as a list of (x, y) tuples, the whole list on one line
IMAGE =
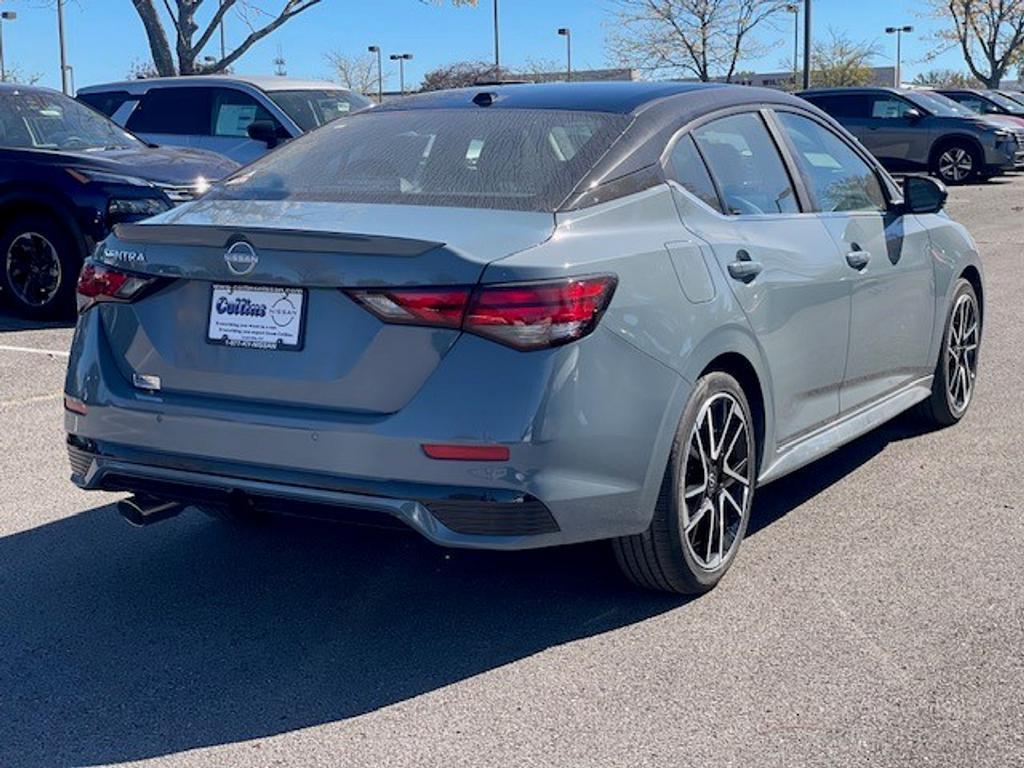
[(924, 131), (67, 175)]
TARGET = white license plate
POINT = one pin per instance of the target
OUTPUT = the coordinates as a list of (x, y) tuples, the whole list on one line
[(256, 316)]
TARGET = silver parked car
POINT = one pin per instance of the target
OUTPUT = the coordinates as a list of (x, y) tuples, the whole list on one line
[(234, 115), (526, 316)]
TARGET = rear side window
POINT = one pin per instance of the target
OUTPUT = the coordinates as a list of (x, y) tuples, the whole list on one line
[(519, 159), (234, 112), (746, 164), (107, 102), (837, 177), (842, 105), (687, 167), (177, 111)]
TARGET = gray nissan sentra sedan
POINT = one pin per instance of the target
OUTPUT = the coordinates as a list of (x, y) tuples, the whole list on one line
[(524, 316)]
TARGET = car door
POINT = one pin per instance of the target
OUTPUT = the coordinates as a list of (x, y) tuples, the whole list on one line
[(231, 113), (887, 262), (780, 262), (175, 116), (898, 132)]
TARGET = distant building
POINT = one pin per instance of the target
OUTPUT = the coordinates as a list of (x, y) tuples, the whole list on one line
[(578, 75), (789, 81)]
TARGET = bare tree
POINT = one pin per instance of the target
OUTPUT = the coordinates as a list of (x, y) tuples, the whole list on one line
[(178, 19), (840, 61), (459, 74), (989, 33), (15, 74), (946, 78), (357, 73), (702, 38)]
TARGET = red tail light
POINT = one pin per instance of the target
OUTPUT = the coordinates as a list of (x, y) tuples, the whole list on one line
[(98, 282), (520, 315)]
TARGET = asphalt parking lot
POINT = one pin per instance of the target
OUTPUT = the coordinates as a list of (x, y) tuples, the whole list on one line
[(875, 616)]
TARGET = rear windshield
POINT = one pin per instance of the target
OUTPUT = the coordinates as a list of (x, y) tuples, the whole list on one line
[(527, 160), (311, 109)]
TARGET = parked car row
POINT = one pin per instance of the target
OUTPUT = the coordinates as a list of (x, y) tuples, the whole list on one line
[(921, 130)]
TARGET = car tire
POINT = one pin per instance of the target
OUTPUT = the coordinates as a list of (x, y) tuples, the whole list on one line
[(957, 162), (39, 265), (695, 533), (957, 367)]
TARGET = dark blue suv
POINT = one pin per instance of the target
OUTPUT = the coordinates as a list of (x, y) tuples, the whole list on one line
[(67, 175)]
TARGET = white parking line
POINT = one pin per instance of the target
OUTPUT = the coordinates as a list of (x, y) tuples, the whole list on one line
[(30, 400), (33, 350)]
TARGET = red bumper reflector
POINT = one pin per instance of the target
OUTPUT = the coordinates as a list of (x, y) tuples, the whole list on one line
[(466, 452), (75, 406)]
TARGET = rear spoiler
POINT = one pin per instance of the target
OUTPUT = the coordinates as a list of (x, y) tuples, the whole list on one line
[(273, 239)]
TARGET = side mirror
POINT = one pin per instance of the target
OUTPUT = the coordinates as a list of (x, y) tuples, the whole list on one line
[(922, 194), (265, 131), (913, 114)]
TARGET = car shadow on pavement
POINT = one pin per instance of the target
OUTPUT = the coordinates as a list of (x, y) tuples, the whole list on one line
[(119, 644), (10, 322)]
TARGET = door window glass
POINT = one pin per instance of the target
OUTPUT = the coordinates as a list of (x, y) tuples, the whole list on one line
[(175, 111), (889, 108), (234, 112), (687, 167), (746, 164), (837, 177)]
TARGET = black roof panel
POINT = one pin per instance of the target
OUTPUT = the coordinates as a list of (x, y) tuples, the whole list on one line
[(616, 96)]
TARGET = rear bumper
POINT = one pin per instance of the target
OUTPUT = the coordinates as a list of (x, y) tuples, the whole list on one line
[(588, 427), (447, 515)]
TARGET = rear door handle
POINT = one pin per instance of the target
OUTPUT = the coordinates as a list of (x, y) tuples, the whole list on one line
[(745, 270), (858, 259)]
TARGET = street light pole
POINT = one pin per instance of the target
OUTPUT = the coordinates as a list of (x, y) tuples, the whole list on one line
[(567, 34), (497, 45), (401, 58), (795, 10), (222, 47), (380, 72), (4, 16), (898, 31), (63, 49), (807, 44)]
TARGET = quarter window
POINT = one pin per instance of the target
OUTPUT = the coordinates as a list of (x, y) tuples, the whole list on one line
[(687, 168), (746, 164), (838, 179)]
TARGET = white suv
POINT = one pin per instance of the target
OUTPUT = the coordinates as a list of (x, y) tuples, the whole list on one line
[(238, 116)]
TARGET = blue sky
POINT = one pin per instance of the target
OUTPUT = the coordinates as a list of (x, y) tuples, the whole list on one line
[(105, 36)]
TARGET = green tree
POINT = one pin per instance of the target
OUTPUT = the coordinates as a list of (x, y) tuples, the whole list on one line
[(839, 61), (989, 34)]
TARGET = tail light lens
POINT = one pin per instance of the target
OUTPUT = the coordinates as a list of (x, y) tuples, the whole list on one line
[(98, 282), (525, 316)]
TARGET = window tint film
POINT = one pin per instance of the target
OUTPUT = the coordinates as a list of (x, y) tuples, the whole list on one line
[(845, 105), (178, 111), (838, 179), (687, 167), (520, 159), (311, 108), (234, 112), (746, 164)]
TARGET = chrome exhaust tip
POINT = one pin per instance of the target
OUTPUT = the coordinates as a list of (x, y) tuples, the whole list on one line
[(145, 510)]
